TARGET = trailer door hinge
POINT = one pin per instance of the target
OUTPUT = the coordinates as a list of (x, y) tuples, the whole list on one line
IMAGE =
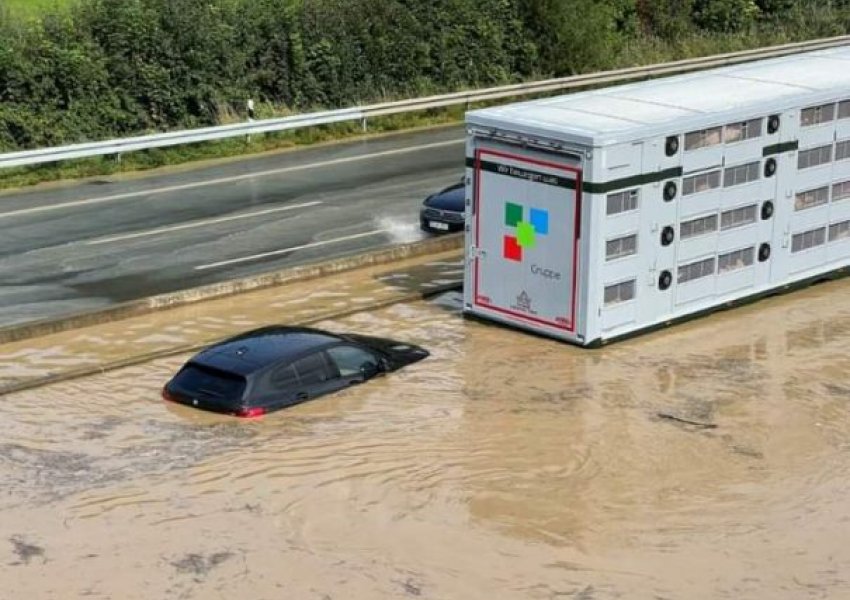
[(650, 280), (475, 253)]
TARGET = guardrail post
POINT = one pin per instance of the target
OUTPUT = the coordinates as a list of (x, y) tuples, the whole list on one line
[(250, 107), (364, 124)]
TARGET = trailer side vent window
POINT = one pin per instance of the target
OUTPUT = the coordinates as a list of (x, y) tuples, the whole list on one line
[(812, 198), (733, 261), (740, 174), (808, 239), (738, 217), (700, 183), (814, 157), (696, 270), (622, 202), (773, 122), (815, 115), (620, 247), (842, 150), (695, 227), (839, 231), (703, 139), (746, 130), (844, 109), (620, 292), (669, 191), (840, 191), (665, 280)]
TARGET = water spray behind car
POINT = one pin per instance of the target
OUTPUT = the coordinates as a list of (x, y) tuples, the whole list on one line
[(400, 230)]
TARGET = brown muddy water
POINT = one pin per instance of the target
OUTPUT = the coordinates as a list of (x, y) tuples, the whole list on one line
[(505, 466)]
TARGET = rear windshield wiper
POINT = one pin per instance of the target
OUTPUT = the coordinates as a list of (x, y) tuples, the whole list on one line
[(215, 393)]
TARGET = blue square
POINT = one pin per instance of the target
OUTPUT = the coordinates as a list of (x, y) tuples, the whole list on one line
[(540, 221)]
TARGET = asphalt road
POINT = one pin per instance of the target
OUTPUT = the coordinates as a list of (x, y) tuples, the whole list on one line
[(89, 245)]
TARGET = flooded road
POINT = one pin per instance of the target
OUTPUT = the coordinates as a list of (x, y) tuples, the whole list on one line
[(710, 460)]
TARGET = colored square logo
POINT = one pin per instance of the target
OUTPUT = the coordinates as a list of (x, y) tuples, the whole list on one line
[(513, 214), (512, 249), (526, 233), (540, 221)]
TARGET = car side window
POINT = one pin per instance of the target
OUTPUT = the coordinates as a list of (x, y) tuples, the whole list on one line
[(349, 359), (285, 377), (312, 369)]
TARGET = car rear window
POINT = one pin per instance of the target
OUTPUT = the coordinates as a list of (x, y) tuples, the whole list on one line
[(200, 380)]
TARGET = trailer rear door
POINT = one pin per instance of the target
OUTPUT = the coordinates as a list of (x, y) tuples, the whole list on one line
[(526, 229)]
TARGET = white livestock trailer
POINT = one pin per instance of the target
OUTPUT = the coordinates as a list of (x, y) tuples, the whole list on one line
[(600, 214)]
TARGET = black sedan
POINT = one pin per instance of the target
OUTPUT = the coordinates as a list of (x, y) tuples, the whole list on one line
[(443, 212), (275, 367)]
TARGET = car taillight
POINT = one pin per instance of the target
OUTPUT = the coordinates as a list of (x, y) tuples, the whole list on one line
[(250, 413), (166, 396)]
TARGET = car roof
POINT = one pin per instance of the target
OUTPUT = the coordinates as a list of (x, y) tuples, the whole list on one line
[(453, 197), (254, 350), (460, 185)]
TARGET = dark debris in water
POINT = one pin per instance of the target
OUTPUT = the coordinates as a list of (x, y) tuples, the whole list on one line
[(200, 565), (577, 591), (586, 594), (685, 420), (842, 391), (26, 551), (412, 589), (747, 451), (693, 412)]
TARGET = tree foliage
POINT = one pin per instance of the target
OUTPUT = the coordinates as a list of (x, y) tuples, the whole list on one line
[(106, 68)]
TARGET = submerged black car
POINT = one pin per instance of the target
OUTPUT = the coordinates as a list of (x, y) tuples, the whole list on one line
[(443, 212), (274, 367)]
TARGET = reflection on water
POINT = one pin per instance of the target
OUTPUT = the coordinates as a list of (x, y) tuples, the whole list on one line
[(706, 461)]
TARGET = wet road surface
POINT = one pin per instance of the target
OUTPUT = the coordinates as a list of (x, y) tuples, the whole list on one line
[(93, 244), (710, 460)]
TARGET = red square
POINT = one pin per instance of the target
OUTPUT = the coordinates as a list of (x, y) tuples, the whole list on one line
[(513, 251)]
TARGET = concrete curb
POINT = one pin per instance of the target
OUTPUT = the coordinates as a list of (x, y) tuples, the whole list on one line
[(143, 306), (187, 348)]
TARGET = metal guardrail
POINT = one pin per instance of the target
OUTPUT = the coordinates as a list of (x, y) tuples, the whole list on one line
[(362, 114)]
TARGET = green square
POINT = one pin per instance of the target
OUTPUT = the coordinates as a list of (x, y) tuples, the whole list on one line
[(525, 234), (513, 214)]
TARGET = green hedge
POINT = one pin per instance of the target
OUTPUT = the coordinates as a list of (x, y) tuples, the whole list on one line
[(104, 68)]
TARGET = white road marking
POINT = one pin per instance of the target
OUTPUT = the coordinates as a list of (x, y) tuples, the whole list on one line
[(243, 259), (221, 180), (193, 224)]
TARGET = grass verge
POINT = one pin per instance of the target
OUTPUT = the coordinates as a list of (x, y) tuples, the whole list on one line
[(34, 8)]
